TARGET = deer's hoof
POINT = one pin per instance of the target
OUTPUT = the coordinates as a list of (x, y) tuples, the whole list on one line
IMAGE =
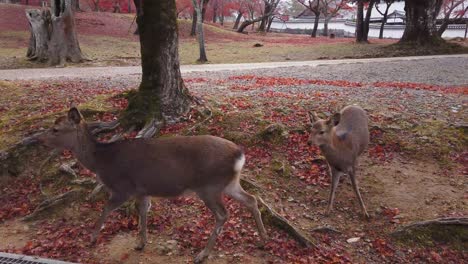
[(367, 216), (201, 257), (140, 245)]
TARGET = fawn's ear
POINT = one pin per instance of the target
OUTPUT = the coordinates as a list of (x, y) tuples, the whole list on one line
[(74, 115), (334, 120), (313, 117)]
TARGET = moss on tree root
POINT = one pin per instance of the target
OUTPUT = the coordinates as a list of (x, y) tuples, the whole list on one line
[(143, 106)]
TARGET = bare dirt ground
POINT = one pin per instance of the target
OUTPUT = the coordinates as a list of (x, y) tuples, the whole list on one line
[(415, 168)]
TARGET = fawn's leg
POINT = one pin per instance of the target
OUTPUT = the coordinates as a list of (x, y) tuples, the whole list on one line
[(236, 191), (213, 201), (114, 202), (335, 179), (143, 204), (352, 177)]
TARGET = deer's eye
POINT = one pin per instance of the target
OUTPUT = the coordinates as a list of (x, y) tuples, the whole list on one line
[(54, 130), (322, 132)]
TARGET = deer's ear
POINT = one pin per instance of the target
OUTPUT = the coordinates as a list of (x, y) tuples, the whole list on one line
[(313, 117), (74, 115), (334, 120)]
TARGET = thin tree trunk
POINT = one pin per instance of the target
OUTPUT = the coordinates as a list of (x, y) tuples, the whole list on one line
[(162, 93), (201, 38), (367, 20), (466, 29), (325, 26), (360, 22), (269, 24), (384, 21), (421, 22), (204, 10), (238, 19), (246, 23), (129, 5), (139, 12), (316, 22), (193, 32)]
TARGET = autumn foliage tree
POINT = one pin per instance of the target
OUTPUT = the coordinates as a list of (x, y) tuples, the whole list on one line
[(330, 9), (316, 7), (452, 10)]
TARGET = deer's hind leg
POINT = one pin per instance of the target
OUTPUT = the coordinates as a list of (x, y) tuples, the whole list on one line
[(143, 204), (235, 190), (352, 177), (213, 200)]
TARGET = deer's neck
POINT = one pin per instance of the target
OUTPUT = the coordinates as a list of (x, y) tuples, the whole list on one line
[(85, 149)]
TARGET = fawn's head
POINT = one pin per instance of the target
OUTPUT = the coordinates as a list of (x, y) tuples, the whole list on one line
[(321, 129), (65, 132)]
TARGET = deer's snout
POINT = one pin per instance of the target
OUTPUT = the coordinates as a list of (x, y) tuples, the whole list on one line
[(309, 142)]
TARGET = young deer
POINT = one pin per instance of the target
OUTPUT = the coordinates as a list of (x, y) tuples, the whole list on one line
[(341, 138), (206, 165)]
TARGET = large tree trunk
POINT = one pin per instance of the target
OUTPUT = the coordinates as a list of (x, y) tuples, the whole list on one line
[(53, 36), (238, 19), (316, 22), (360, 22), (201, 37), (421, 22), (162, 94)]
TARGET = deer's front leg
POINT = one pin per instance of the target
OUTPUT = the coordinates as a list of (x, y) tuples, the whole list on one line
[(335, 179), (143, 204), (114, 202)]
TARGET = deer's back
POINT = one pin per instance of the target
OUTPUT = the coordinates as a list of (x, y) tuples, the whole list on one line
[(353, 129), (168, 166)]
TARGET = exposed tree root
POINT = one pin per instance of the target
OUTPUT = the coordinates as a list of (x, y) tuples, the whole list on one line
[(210, 115), (51, 203), (274, 218), (150, 129), (100, 127), (67, 168), (325, 229), (459, 221), (453, 231), (95, 191)]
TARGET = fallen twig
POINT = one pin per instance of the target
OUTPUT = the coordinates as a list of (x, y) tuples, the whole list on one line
[(50, 203), (276, 219)]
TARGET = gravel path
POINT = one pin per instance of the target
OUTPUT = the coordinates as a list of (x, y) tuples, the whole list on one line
[(341, 69)]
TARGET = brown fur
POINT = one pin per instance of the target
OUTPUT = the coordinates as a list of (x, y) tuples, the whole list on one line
[(163, 167), (342, 138)]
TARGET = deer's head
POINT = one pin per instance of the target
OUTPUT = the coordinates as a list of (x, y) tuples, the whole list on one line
[(322, 129), (66, 131)]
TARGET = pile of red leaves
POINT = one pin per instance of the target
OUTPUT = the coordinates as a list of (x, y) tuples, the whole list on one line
[(18, 198)]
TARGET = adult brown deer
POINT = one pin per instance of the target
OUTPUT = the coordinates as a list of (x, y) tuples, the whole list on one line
[(341, 138), (140, 168)]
